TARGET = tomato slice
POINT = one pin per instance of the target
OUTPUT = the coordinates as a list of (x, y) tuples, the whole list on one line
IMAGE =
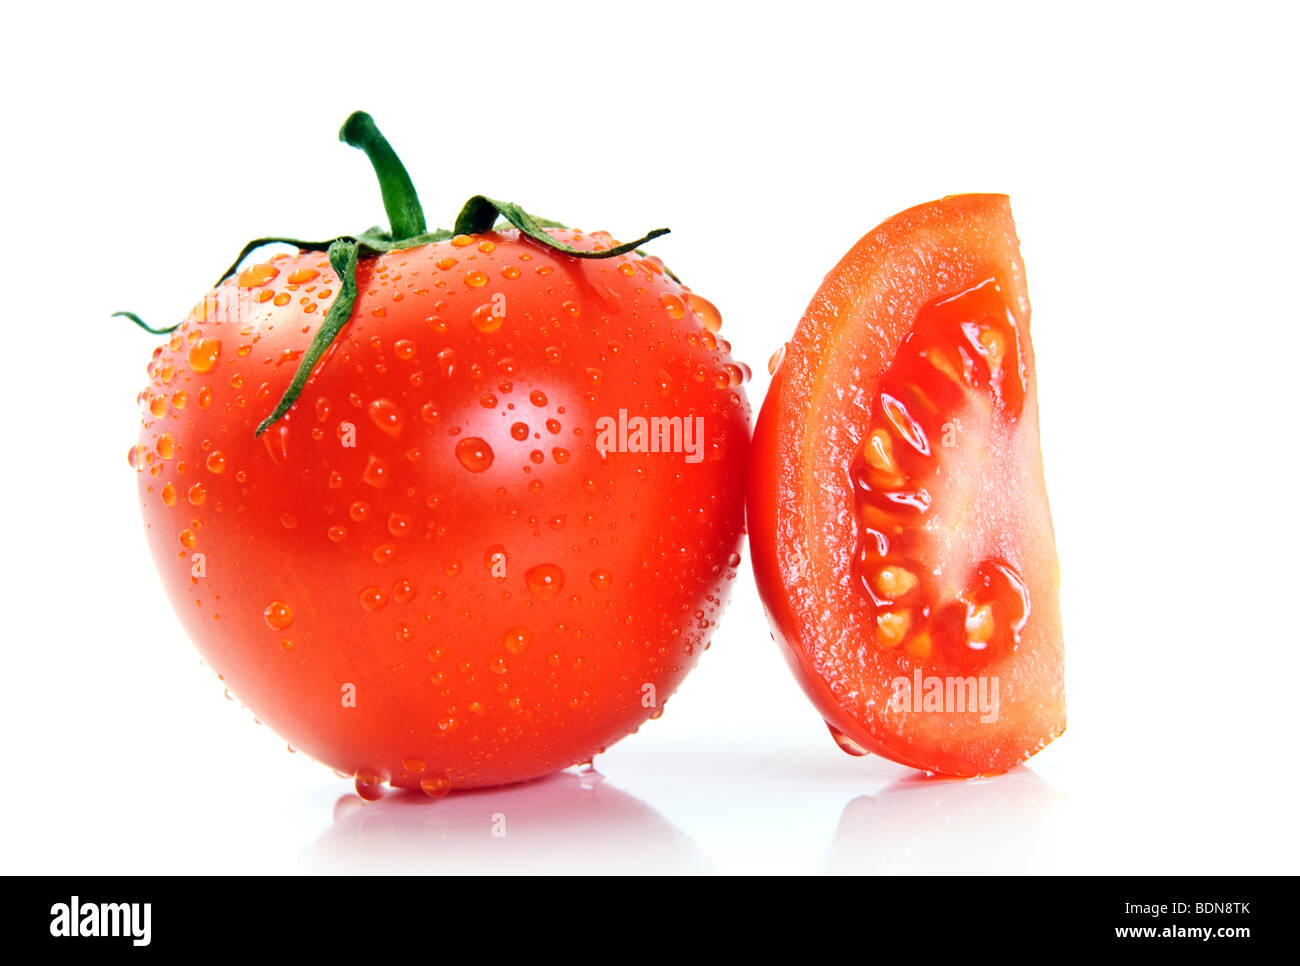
[(898, 516)]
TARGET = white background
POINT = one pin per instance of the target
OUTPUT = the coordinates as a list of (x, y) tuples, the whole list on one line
[(1150, 154)]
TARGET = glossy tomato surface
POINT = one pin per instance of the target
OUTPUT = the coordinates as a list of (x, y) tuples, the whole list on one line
[(436, 571), (898, 515)]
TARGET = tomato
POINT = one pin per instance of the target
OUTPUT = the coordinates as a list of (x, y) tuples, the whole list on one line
[(898, 516), (495, 525)]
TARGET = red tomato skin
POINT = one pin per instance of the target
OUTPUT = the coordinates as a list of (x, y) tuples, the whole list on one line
[(406, 609), (874, 294)]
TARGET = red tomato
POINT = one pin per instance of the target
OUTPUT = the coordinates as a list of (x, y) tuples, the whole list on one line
[(444, 566), (897, 510)]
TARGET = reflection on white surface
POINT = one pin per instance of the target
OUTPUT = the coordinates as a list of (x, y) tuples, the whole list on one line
[(917, 825), (564, 823)]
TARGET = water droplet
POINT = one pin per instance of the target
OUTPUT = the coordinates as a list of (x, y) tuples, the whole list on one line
[(600, 579), (672, 305), (369, 787), (545, 580), (774, 363), (168, 495), (436, 787), (846, 744), (277, 615), (300, 276), (474, 454), (705, 311), (537, 398), (203, 355), (475, 278), (373, 599), (375, 473), (215, 462), (486, 318), (256, 275), (385, 414), (517, 638)]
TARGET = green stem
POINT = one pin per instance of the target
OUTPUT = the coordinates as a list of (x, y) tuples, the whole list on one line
[(405, 216)]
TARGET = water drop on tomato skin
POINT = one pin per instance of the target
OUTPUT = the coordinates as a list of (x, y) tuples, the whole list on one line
[(845, 743), (544, 581), (774, 363), (705, 311), (375, 473), (278, 615), (370, 788), (436, 787), (256, 275), (385, 414), (474, 454), (486, 318), (203, 355), (673, 306), (517, 639)]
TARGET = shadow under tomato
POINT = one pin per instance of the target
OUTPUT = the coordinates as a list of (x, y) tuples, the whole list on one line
[(920, 825), (563, 823)]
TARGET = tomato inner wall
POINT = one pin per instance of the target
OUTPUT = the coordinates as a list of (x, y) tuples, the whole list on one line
[(959, 375)]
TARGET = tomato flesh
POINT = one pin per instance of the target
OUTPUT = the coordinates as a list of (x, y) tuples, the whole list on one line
[(897, 512)]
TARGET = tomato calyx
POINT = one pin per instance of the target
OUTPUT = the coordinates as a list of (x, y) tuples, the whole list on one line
[(407, 229)]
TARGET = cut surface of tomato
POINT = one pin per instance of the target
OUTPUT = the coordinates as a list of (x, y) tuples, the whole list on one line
[(897, 511)]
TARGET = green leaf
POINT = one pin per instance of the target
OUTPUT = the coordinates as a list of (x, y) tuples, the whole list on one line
[(256, 243), (343, 259), (144, 325), (480, 214)]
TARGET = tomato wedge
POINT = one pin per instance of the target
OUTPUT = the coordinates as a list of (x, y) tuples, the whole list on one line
[(898, 516)]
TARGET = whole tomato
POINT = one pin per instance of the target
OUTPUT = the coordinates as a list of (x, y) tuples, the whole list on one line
[(447, 509)]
